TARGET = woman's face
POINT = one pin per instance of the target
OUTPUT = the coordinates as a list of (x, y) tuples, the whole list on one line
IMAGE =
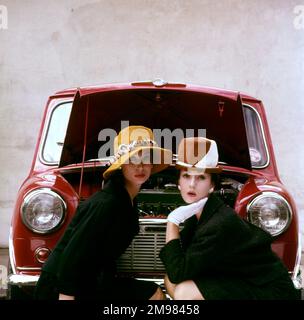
[(194, 187), (138, 170), (136, 174)]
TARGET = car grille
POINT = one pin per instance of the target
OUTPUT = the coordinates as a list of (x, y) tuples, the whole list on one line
[(143, 253)]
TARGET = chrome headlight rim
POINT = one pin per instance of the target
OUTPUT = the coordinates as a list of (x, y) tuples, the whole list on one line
[(266, 194), (33, 193)]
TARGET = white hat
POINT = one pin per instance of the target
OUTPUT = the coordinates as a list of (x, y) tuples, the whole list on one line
[(198, 154)]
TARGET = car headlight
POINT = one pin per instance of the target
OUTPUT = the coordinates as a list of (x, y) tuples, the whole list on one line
[(271, 212), (43, 210)]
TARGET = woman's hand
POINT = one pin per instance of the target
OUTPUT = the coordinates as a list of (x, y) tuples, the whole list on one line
[(182, 213), (65, 297)]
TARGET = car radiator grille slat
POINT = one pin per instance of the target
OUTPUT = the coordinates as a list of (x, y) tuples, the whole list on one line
[(143, 252)]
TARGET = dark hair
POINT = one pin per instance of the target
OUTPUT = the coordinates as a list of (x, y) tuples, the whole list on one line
[(216, 180), (117, 177)]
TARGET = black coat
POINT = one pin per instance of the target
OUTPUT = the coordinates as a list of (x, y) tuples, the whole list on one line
[(101, 230), (222, 246)]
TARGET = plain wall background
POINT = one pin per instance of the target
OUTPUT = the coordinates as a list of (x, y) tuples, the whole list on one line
[(252, 46)]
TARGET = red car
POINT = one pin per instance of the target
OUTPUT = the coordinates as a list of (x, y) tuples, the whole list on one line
[(68, 164)]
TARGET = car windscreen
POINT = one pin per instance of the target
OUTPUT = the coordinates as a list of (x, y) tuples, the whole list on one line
[(256, 138), (55, 133)]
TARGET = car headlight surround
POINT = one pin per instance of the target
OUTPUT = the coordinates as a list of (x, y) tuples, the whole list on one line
[(43, 210), (271, 212)]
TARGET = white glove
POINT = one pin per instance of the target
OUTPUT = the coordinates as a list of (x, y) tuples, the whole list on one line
[(182, 213)]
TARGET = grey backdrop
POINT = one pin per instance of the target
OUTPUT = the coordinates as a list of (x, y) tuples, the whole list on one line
[(255, 46)]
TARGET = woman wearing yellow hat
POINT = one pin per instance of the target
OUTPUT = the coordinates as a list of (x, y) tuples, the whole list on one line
[(217, 255), (82, 266)]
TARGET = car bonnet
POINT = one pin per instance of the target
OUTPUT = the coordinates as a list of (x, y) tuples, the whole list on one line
[(220, 113)]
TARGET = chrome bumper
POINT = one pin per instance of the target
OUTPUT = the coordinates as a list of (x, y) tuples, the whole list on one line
[(296, 274), (22, 280), (26, 280)]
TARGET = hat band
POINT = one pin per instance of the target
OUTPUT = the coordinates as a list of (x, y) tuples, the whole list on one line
[(196, 166), (125, 148), (183, 164)]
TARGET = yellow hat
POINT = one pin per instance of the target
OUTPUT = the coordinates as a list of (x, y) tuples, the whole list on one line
[(130, 141)]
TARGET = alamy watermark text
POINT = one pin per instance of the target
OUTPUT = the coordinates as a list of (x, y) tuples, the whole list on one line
[(298, 21), (3, 17)]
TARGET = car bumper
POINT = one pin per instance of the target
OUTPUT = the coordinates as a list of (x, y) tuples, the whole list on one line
[(22, 280), (28, 280)]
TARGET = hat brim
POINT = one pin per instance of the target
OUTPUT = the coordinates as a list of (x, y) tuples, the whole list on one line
[(163, 156)]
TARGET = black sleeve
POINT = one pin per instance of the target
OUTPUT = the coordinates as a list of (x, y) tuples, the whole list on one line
[(212, 243), (200, 255), (82, 254), (187, 232)]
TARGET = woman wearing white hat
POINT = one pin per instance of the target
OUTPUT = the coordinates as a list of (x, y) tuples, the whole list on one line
[(217, 255), (82, 265)]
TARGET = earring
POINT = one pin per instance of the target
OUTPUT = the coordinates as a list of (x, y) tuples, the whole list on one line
[(211, 190), (178, 187)]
